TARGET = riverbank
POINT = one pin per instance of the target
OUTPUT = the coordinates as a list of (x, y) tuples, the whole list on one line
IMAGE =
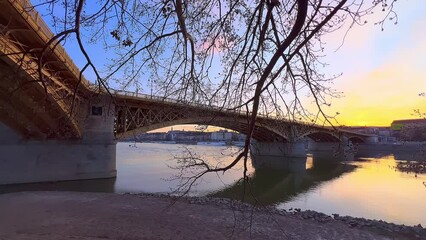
[(73, 215)]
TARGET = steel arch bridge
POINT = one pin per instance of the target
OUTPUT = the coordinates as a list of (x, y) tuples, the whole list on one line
[(136, 113)]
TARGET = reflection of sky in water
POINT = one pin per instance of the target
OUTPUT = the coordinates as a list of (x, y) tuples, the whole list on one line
[(374, 190), (145, 168)]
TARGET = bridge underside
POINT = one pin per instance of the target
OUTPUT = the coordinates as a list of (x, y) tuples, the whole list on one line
[(26, 108), (131, 120), (261, 134), (357, 140), (35, 102)]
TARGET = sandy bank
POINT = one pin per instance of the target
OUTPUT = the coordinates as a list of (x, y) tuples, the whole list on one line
[(71, 215)]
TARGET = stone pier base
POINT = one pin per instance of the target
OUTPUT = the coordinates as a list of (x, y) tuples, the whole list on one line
[(327, 152), (55, 161), (285, 156), (92, 156)]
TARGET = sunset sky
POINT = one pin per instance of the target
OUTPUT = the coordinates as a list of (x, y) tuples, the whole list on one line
[(383, 71)]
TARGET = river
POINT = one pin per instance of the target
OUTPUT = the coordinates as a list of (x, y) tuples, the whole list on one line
[(369, 187)]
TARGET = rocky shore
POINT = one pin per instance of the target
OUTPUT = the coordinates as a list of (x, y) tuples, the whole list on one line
[(78, 215), (379, 226)]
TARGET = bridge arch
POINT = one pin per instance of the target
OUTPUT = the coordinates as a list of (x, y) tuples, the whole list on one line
[(356, 139), (261, 133)]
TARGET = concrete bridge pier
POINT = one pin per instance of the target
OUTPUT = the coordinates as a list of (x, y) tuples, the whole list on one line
[(278, 155), (330, 152), (93, 156)]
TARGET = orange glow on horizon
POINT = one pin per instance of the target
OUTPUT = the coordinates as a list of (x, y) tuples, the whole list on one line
[(384, 83)]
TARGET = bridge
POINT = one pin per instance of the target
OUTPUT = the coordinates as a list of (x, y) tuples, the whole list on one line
[(56, 125)]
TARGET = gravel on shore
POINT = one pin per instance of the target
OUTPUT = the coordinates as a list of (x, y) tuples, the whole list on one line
[(76, 215)]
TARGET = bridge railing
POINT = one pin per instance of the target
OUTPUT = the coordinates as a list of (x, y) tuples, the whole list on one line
[(170, 100), (33, 18), (125, 93)]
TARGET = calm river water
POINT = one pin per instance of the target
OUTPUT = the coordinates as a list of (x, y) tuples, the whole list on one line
[(370, 187)]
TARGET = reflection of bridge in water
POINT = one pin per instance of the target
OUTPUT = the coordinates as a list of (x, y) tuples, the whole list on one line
[(276, 186), (57, 126)]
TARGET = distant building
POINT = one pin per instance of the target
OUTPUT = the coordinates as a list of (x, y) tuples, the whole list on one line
[(147, 137), (187, 136), (409, 129), (238, 137), (221, 135), (398, 125)]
